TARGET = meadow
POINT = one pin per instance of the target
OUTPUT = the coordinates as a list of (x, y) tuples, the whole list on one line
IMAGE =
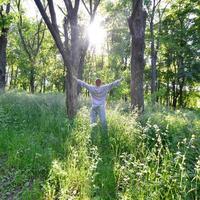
[(43, 155)]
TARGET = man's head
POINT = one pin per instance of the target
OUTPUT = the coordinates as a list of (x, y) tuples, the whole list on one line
[(98, 82)]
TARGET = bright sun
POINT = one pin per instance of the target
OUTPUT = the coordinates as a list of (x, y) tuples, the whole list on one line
[(96, 31), (97, 35)]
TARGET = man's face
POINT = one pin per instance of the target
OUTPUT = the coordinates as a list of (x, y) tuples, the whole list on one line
[(98, 82)]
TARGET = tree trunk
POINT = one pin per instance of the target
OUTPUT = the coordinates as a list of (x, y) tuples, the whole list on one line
[(181, 94), (3, 45), (153, 73), (11, 77), (154, 49), (153, 62), (32, 80), (137, 24), (81, 64), (181, 67), (167, 93), (15, 78), (72, 70), (44, 84), (181, 82), (174, 91), (71, 95), (168, 89)]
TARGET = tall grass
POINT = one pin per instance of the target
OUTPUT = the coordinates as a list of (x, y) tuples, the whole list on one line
[(45, 156)]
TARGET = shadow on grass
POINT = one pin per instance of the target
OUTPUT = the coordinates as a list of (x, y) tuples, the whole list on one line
[(105, 183), (29, 161), (33, 133)]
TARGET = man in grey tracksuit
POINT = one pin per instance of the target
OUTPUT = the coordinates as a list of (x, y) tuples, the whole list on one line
[(98, 95)]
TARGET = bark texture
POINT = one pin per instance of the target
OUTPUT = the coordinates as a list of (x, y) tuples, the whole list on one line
[(3, 44), (137, 24)]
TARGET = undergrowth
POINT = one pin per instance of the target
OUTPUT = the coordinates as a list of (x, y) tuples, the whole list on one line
[(43, 155)]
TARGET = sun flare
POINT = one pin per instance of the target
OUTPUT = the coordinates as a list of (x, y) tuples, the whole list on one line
[(97, 35)]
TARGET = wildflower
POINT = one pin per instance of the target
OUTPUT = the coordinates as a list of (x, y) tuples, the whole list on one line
[(193, 136)]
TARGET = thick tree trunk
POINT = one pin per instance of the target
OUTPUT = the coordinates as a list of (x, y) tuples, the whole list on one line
[(137, 24), (71, 95), (3, 45), (72, 70)]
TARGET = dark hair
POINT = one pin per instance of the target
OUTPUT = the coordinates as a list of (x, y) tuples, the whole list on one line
[(98, 82)]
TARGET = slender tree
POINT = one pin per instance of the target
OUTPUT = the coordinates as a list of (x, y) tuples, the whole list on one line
[(151, 16), (180, 39), (137, 24), (4, 27), (153, 8), (31, 44)]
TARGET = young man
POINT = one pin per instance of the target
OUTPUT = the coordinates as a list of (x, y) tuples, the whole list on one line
[(98, 94)]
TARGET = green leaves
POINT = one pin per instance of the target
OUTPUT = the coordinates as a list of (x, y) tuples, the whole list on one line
[(5, 16), (4, 2), (147, 2), (5, 21)]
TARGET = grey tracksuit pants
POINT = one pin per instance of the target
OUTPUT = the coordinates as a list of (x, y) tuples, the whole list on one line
[(98, 111)]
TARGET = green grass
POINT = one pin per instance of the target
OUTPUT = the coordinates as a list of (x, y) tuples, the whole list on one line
[(45, 156)]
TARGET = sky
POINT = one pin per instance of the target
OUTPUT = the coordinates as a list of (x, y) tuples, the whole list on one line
[(97, 41), (32, 11)]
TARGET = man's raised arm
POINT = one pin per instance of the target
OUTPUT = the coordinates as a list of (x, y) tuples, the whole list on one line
[(83, 84), (113, 84)]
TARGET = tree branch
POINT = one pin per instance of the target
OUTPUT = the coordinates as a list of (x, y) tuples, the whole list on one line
[(76, 6), (36, 35), (96, 6), (91, 7), (24, 42), (39, 41), (51, 28), (52, 12), (1, 10), (8, 8), (157, 3), (69, 7), (19, 26), (86, 7), (63, 12)]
